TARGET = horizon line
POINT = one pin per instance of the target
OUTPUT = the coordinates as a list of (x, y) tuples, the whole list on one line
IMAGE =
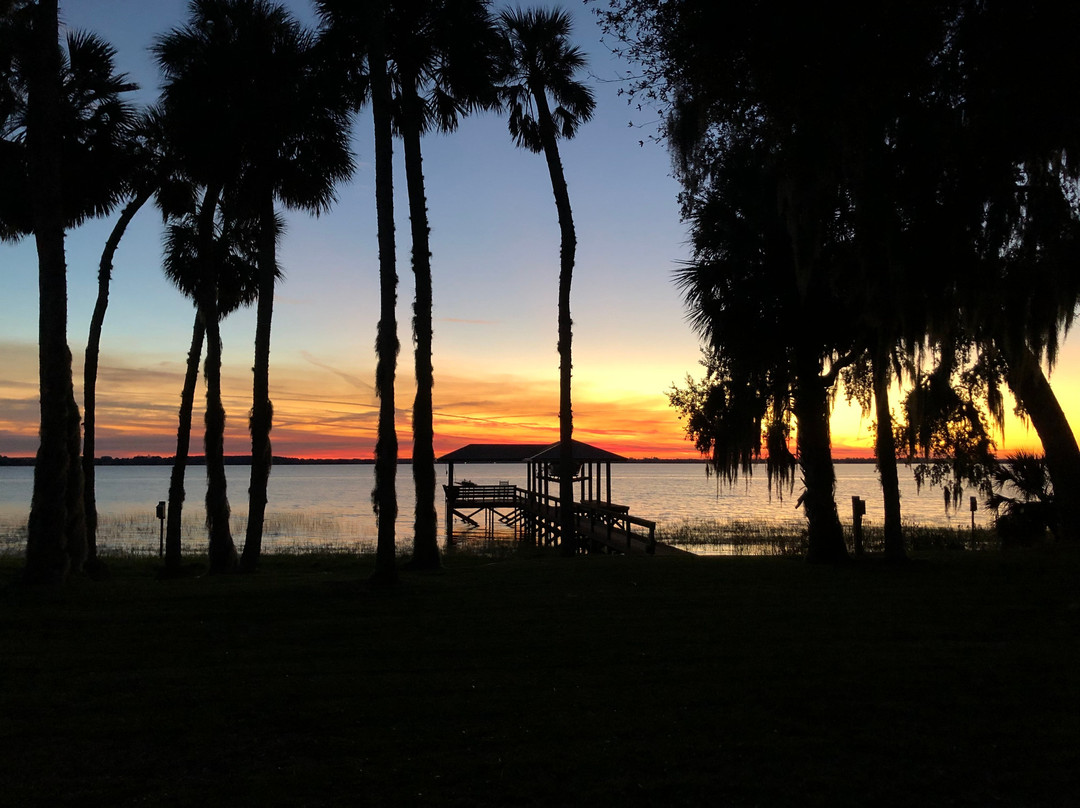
[(243, 459)]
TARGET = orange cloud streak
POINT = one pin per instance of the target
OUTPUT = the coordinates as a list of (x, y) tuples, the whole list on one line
[(324, 411)]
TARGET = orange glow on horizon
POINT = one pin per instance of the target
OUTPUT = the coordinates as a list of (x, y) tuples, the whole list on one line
[(323, 412)]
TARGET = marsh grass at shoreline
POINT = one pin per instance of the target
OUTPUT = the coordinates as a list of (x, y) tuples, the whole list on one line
[(536, 680), (742, 537), (302, 532)]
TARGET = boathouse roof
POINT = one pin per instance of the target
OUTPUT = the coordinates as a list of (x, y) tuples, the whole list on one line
[(525, 452), (493, 453), (582, 451)]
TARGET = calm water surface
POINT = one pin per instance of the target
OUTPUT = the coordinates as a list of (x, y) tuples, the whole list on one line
[(330, 505)]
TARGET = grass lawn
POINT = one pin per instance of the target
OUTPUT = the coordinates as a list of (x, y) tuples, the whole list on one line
[(537, 680)]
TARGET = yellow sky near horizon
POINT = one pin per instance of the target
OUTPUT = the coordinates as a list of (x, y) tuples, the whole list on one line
[(324, 411)]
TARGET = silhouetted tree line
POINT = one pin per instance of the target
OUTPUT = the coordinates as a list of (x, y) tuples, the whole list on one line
[(255, 117), (876, 193)]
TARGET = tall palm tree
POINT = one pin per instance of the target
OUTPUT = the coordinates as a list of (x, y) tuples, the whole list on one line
[(359, 34), (437, 56), (443, 54), (298, 154), (177, 200), (143, 180), (254, 115), (174, 513), (234, 244), (204, 129), (53, 535), (384, 495), (540, 70), (63, 121), (222, 550)]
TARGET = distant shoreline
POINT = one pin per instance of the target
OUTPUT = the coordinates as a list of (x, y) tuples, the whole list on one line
[(243, 460)]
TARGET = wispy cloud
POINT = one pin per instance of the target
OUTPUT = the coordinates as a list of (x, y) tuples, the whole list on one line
[(323, 411), (354, 381)]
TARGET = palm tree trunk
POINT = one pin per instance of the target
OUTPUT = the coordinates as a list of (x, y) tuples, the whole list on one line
[(262, 409), (567, 252), (222, 551), (183, 441), (50, 550), (811, 408), (384, 496), (885, 449), (90, 368), (75, 525), (425, 536), (1032, 390)]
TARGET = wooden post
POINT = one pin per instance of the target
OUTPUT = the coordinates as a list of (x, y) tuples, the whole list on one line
[(528, 501), (449, 501), (974, 507), (858, 508), (161, 538)]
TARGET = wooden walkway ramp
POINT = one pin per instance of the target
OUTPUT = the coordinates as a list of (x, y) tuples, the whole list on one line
[(602, 526)]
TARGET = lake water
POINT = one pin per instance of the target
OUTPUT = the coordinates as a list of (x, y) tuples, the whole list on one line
[(329, 506)]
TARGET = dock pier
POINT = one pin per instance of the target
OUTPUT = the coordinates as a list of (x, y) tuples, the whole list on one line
[(533, 511)]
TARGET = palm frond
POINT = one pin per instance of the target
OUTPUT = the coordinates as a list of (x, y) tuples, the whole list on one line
[(540, 64)]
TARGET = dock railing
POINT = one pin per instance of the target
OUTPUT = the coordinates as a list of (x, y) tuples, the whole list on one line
[(610, 524), (617, 524), (469, 494)]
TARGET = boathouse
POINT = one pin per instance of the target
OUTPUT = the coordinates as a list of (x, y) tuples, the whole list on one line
[(533, 511)]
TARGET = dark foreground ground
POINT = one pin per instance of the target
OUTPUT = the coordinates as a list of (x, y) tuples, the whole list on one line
[(544, 681)]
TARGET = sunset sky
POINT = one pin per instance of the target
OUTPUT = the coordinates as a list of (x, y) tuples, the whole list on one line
[(495, 245)]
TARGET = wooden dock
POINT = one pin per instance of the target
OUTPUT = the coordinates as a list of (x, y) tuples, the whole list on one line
[(602, 526)]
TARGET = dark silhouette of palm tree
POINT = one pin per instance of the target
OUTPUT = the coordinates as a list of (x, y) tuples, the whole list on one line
[(297, 154), (358, 33), (253, 114), (438, 57), (384, 495), (63, 124), (55, 537), (1021, 496), (173, 540), (443, 56), (234, 244), (144, 179), (540, 69), (222, 550), (204, 115)]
